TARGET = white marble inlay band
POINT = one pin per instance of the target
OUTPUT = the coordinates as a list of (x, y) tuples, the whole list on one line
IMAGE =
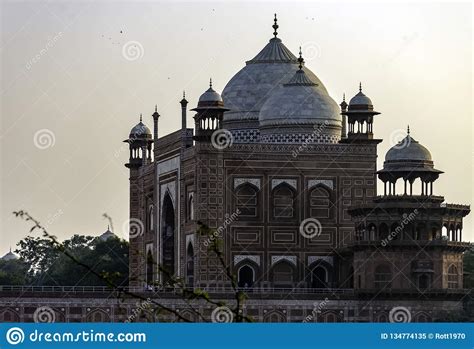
[(326, 182), (291, 259), (254, 181), (290, 182), (239, 258), (327, 259)]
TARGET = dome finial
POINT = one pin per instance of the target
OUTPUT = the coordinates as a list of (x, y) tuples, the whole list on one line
[(360, 86), (408, 130), (140, 117), (300, 60), (275, 26), (210, 82)]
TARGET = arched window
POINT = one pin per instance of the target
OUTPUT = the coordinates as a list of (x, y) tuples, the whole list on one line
[(453, 277), (247, 201), (149, 268), (283, 202), (422, 317), (167, 237), (246, 276), (190, 265), (274, 317), (151, 221), (98, 316), (329, 317), (282, 275), (319, 277), (191, 207), (383, 276), (7, 317), (320, 203), (424, 281)]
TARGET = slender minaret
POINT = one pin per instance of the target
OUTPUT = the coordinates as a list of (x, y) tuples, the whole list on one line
[(155, 132), (184, 103), (344, 122)]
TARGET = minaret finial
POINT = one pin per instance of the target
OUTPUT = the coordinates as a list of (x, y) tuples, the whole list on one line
[(275, 26), (344, 97), (156, 108), (140, 117), (210, 82), (300, 60), (184, 94), (408, 130), (360, 86)]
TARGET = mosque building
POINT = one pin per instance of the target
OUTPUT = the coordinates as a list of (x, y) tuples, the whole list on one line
[(287, 178)]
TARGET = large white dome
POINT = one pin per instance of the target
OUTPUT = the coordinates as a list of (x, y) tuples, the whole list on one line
[(250, 88), (298, 110)]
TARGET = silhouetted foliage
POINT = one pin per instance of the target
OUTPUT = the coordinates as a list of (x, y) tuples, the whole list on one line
[(48, 265), (469, 269), (13, 272)]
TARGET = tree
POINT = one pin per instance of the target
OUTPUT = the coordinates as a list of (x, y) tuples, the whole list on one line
[(154, 308), (13, 272), (468, 261), (46, 264)]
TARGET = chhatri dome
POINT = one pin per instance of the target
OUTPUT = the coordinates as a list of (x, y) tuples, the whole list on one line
[(140, 130), (298, 110), (409, 160), (360, 101), (408, 153), (210, 97), (249, 89)]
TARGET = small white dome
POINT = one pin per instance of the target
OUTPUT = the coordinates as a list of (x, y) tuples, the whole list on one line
[(210, 96)]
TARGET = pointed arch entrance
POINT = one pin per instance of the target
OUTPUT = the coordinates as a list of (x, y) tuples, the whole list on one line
[(168, 237)]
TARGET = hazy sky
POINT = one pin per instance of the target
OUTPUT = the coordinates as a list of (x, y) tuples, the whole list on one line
[(70, 95)]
